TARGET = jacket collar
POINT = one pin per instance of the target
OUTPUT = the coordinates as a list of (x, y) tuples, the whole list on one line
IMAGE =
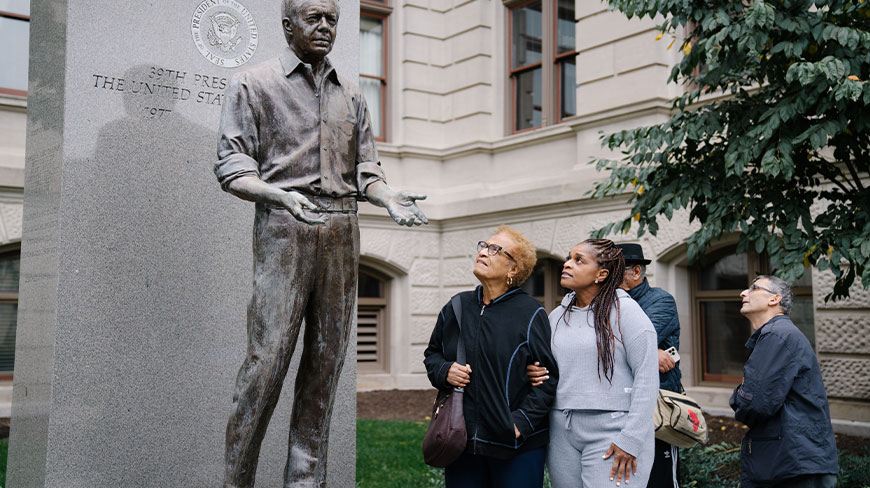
[(290, 63), (504, 296), (764, 329), (640, 290)]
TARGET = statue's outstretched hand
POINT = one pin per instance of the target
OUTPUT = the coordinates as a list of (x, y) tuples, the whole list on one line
[(296, 203), (403, 208)]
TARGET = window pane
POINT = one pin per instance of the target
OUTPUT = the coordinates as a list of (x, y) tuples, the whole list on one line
[(371, 46), (370, 287), (371, 89), (802, 316), (568, 84), (536, 284), (16, 6), (805, 280), (728, 273), (10, 266), (725, 336), (526, 43), (15, 39), (527, 99), (565, 26), (8, 318)]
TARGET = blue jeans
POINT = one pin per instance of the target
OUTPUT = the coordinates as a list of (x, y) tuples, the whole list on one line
[(526, 470)]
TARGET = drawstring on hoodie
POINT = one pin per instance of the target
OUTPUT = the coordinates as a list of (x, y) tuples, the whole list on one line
[(567, 413)]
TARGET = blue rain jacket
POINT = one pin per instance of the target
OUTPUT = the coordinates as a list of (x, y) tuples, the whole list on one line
[(783, 402)]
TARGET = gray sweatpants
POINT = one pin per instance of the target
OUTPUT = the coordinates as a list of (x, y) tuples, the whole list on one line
[(578, 441)]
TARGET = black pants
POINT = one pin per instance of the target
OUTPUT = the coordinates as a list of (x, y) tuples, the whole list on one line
[(664, 469), (525, 470), (301, 271)]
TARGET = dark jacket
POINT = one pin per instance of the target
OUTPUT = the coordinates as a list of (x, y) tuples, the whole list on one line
[(500, 340), (782, 400), (661, 309)]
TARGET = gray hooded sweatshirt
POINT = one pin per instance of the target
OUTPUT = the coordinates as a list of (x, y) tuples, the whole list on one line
[(635, 384)]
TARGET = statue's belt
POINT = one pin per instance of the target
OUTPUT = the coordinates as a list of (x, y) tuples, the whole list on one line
[(326, 204)]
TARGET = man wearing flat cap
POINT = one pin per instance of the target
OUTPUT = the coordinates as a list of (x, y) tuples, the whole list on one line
[(661, 309)]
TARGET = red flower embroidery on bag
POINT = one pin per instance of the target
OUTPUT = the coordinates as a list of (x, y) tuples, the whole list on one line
[(693, 417)]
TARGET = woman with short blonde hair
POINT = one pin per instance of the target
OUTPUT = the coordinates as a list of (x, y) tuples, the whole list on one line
[(503, 330)]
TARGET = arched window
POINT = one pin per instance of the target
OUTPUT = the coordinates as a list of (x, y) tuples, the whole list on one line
[(372, 345), (723, 330), (543, 284)]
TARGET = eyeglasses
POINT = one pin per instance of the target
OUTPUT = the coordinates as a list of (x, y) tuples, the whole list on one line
[(493, 249), (754, 287)]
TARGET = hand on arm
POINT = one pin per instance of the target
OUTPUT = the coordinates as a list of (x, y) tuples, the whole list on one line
[(254, 189), (401, 205), (537, 374)]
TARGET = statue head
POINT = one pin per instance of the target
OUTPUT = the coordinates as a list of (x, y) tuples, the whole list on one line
[(310, 27)]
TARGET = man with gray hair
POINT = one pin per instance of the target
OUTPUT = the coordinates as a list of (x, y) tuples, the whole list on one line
[(790, 442), (296, 139)]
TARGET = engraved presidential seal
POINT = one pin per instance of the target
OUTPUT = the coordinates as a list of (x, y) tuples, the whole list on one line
[(224, 32)]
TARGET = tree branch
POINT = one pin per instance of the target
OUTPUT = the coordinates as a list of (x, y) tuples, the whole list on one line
[(854, 174)]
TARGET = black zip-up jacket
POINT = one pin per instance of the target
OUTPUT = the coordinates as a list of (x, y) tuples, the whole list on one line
[(783, 401), (500, 339)]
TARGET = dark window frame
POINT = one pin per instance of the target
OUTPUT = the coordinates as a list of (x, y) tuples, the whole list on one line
[(9, 296), (553, 292), (551, 64), (380, 307), (560, 60), (756, 265), (11, 91), (380, 10)]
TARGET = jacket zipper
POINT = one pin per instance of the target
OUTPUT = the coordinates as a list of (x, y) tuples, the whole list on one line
[(474, 449)]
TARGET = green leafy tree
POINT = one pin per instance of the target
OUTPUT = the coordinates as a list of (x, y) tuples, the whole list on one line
[(775, 118)]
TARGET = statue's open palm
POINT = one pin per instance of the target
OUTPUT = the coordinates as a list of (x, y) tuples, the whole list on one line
[(404, 210)]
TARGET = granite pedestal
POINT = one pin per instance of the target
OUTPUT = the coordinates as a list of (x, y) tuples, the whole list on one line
[(135, 267)]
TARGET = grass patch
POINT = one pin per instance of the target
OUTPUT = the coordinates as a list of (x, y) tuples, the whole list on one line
[(4, 453), (388, 455)]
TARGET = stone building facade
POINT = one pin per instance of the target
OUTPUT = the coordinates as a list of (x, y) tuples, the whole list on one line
[(494, 109)]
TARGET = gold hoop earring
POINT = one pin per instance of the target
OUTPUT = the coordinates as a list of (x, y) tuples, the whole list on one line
[(510, 281)]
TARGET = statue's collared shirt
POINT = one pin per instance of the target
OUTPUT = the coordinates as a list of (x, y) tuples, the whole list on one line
[(279, 126)]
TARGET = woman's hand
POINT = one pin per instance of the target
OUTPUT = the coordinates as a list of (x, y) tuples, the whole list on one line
[(516, 432), (624, 464), (459, 375), (537, 374)]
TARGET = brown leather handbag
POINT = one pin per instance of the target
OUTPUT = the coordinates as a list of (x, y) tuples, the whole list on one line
[(446, 437)]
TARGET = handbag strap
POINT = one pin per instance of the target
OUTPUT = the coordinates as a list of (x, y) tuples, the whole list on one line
[(460, 346)]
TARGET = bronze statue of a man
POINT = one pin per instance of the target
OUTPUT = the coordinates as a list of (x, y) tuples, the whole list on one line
[(296, 138)]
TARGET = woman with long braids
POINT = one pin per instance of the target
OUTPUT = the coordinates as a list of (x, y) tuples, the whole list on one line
[(601, 429)]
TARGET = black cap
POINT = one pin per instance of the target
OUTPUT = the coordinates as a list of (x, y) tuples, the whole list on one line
[(633, 253)]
